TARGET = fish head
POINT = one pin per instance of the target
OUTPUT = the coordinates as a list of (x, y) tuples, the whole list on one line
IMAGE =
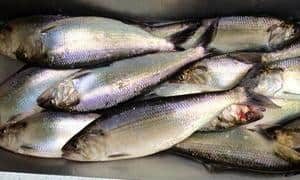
[(281, 34), (19, 41), (194, 74), (238, 114), (269, 82), (61, 96), (89, 146), (10, 135)]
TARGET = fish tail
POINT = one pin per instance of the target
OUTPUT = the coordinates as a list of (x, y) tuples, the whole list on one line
[(247, 57), (209, 33), (63, 96), (249, 97), (182, 36)]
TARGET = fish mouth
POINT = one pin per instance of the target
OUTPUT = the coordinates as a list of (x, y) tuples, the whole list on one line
[(63, 97)]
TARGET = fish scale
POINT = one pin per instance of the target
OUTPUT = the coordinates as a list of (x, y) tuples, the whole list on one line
[(250, 22)]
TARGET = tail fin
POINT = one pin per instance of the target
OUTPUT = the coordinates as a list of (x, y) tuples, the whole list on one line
[(209, 34), (247, 57), (253, 98)]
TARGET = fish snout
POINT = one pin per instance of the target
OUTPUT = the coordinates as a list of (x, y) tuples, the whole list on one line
[(86, 147), (9, 135)]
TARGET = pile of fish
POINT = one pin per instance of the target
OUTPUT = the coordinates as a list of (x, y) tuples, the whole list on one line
[(223, 91)]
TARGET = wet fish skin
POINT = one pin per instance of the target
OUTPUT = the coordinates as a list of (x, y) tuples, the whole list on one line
[(79, 41), (238, 148), (281, 79), (215, 73), (18, 94), (105, 87), (147, 127), (43, 134), (291, 51), (246, 33)]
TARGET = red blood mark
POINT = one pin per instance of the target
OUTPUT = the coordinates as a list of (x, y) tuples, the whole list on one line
[(242, 116)]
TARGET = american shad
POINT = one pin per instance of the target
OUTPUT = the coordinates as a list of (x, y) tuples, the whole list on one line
[(108, 86), (76, 41), (147, 127)]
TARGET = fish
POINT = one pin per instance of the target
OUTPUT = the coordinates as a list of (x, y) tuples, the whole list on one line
[(247, 33), (147, 127), (237, 149), (105, 87), (280, 79), (217, 73), (75, 42), (43, 134), (19, 93), (291, 51)]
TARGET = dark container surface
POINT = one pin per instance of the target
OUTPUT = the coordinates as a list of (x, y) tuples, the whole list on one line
[(163, 165)]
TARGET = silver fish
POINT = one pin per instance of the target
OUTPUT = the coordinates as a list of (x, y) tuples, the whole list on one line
[(77, 41), (43, 134), (19, 93), (246, 33), (291, 51), (238, 148), (216, 73), (108, 86), (148, 127), (281, 79)]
